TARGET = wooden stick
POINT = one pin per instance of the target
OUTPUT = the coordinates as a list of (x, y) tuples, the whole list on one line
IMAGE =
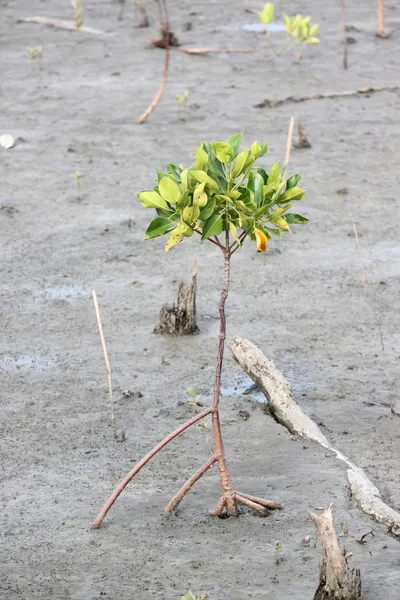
[(289, 142), (345, 46), (189, 484), (103, 342), (337, 580), (381, 22), (160, 92), (61, 24), (99, 519)]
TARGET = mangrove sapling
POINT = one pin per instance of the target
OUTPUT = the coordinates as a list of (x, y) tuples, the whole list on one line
[(78, 176), (299, 29), (223, 194)]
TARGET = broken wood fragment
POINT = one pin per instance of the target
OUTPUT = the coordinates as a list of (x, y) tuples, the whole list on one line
[(337, 581), (61, 24), (180, 318), (302, 141)]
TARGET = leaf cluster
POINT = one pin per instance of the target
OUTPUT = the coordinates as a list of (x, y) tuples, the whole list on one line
[(298, 27), (223, 191)]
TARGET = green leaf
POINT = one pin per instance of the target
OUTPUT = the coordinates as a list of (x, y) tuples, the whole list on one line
[(183, 200), (174, 170), (233, 230), (202, 177), (200, 196), (275, 176), (213, 226), (294, 193), (235, 141), (264, 150), (169, 190), (190, 214), (223, 151), (255, 149), (312, 40), (208, 210), (201, 156), (258, 189), (151, 199), (160, 175), (267, 13), (239, 163), (263, 174), (293, 181), (294, 218), (175, 237), (158, 226)]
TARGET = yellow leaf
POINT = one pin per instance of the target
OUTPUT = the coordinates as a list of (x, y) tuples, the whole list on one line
[(261, 239)]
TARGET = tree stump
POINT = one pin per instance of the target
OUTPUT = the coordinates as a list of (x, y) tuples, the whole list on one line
[(180, 318), (337, 581)]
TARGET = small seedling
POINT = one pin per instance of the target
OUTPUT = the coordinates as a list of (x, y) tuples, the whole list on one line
[(181, 100), (77, 6), (191, 596), (278, 549), (78, 176), (224, 193), (298, 29), (36, 52)]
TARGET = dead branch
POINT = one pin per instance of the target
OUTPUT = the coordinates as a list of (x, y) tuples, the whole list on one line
[(337, 581), (296, 99), (61, 24), (286, 411)]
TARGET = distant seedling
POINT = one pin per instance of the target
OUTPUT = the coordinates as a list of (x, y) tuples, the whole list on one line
[(191, 596), (181, 100), (77, 6), (78, 177), (298, 29), (36, 52)]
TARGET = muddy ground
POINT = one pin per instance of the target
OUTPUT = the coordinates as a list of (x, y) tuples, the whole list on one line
[(304, 303)]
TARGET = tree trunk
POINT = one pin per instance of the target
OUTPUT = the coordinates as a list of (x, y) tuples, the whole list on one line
[(180, 318), (337, 581)]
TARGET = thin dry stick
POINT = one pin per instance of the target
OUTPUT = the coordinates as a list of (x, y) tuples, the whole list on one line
[(103, 342), (381, 23), (99, 519), (157, 97), (289, 142), (344, 34), (366, 282), (216, 50)]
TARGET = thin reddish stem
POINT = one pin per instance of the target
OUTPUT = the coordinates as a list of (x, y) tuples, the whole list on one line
[(219, 447), (142, 463), (157, 97), (381, 22), (189, 484)]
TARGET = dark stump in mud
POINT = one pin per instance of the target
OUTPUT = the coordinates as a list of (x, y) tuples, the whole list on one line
[(180, 318)]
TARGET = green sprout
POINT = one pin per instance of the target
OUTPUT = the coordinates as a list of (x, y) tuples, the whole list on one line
[(78, 176), (181, 100), (36, 52), (278, 549), (77, 6), (191, 596)]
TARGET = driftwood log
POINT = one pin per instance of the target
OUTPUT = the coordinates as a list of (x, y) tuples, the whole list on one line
[(180, 318), (337, 581), (284, 408)]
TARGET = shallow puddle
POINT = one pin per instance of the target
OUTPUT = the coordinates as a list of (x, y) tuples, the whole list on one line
[(26, 362), (260, 27), (61, 292), (244, 387)]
